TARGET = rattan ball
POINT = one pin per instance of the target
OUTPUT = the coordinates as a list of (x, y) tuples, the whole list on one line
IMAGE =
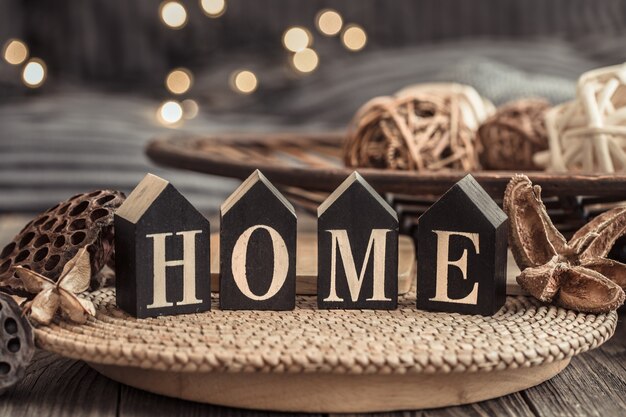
[(511, 136), (427, 127), (588, 134), (52, 238)]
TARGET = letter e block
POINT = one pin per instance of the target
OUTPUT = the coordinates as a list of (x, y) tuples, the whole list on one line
[(462, 252), (257, 248), (161, 252), (357, 249)]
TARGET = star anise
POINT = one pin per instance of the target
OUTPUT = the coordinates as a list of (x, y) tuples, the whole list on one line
[(574, 274), (51, 295)]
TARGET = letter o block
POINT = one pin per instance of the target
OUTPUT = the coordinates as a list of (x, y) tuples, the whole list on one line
[(257, 248)]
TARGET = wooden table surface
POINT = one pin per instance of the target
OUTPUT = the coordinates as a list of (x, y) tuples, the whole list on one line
[(594, 384)]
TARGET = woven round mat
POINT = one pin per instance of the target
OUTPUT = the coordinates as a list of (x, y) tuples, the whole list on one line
[(523, 333)]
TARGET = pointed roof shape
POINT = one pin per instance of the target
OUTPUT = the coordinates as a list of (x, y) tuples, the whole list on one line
[(142, 197), (254, 178), (478, 196), (355, 177)]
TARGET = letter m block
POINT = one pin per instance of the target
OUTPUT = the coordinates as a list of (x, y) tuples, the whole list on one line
[(357, 249)]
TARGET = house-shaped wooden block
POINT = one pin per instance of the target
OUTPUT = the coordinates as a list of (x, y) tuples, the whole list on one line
[(357, 249), (161, 252), (462, 252), (257, 248)]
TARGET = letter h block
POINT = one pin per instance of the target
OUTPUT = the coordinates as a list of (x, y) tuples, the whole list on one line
[(462, 252), (161, 252), (257, 248), (357, 249)]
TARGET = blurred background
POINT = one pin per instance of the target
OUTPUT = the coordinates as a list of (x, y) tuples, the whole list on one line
[(84, 84)]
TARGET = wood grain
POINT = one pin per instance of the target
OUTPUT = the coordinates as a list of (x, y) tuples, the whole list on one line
[(322, 392)]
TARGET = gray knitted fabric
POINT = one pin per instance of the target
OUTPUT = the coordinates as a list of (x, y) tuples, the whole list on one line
[(53, 145)]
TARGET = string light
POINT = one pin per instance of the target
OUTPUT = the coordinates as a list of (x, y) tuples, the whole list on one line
[(34, 73), (244, 81), (329, 22), (15, 51), (179, 81), (354, 38), (190, 108), (305, 60), (297, 39), (213, 8), (170, 113), (173, 14)]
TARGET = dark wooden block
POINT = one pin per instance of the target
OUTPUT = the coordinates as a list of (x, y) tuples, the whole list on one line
[(257, 248), (161, 252), (357, 249), (462, 252)]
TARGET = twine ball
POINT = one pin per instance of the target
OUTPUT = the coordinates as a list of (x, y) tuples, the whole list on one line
[(588, 134), (426, 127), (511, 136)]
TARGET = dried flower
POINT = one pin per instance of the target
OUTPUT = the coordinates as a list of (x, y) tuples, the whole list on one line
[(51, 296), (574, 274)]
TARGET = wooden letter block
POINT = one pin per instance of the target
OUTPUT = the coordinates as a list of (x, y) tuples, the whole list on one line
[(161, 252), (462, 252), (257, 248), (357, 249)]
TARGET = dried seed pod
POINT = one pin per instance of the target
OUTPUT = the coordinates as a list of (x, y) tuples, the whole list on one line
[(602, 233), (572, 274), (513, 135), (533, 238), (543, 281), (583, 289), (54, 237), (18, 343)]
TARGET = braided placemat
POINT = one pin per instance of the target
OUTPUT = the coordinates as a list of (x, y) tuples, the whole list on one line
[(523, 333)]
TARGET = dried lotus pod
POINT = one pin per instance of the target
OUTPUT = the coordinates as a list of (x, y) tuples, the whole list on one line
[(17, 343), (54, 237)]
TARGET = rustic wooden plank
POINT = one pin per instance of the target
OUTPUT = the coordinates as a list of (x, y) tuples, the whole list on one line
[(56, 386), (593, 385)]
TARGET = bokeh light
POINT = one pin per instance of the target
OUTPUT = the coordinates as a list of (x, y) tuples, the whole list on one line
[(15, 51), (305, 60), (297, 39), (34, 73), (213, 8), (329, 22), (179, 81), (170, 113), (354, 38), (173, 14), (244, 81), (190, 108)]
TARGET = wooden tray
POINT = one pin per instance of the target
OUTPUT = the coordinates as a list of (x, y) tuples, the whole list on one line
[(313, 162)]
